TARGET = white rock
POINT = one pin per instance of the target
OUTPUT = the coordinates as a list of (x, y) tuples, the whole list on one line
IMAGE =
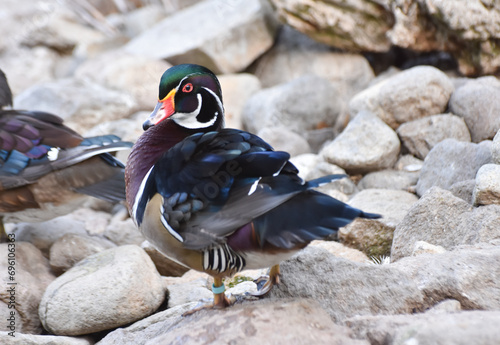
[(223, 37), (31, 278), (478, 102), (295, 55), (289, 105), (107, 290), (130, 74), (82, 104), (422, 247), (409, 95), (283, 139), (487, 188), (30, 339), (71, 248), (420, 136), (366, 144), (236, 89)]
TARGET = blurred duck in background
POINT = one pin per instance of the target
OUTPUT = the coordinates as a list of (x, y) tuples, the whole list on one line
[(46, 168)]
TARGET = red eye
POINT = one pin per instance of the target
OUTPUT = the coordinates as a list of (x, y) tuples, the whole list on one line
[(187, 88)]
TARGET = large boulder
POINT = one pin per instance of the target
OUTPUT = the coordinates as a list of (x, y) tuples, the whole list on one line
[(106, 290), (224, 38)]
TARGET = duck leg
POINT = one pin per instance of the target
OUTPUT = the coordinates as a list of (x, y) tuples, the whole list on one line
[(266, 283), (220, 299)]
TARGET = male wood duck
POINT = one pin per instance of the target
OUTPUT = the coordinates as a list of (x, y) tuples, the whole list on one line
[(221, 200), (45, 167)]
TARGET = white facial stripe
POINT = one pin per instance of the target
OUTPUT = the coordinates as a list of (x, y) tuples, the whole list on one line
[(138, 196), (188, 120), (215, 96)]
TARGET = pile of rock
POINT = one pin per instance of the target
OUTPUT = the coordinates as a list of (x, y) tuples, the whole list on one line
[(421, 147)]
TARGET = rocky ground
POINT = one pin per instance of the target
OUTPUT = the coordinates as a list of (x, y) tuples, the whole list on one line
[(421, 146)]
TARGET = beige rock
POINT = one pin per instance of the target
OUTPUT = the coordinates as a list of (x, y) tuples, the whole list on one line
[(350, 25), (487, 188), (478, 103), (366, 144), (252, 323), (283, 139), (422, 247), (420, 136), (30, 339), (341, 251), (399, 99), (82, 104), (236, 89), (24, 291), (374, 236), (226, 38), (72, 248), (132, 74), (106, 290)]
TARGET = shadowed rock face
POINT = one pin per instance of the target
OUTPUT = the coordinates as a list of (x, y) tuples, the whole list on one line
[(468, 32)]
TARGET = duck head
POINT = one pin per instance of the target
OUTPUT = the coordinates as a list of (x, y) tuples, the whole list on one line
[(190, 96)]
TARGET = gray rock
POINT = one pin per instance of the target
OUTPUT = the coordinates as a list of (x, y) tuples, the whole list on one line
[(138, 20), (40, 61), (250, 324), (345, 288), (295, 55), (164, 265), (307, 162), (389, 179), (85, 298), (420, 136), (464, 190), (349, 25), (82, 104), (267, 322), (289, 105), (72, 248), (408, 163), (122, 230), (182, 291), (475, 327), (283, 139), (62, 34), (236, 90), (226, 38), (422, 247), (495, 148), (43, 235), (374, 236), (32, 276), (30, 339), (440, 218), (478, 102), (487, 188), (134, 75), (339, 250), (142, 331), (399, 99), (366, 144), (467, 275), (452, 161), (469, 32)]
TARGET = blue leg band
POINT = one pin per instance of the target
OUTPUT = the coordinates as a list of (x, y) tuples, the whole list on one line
[(218, 290)]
